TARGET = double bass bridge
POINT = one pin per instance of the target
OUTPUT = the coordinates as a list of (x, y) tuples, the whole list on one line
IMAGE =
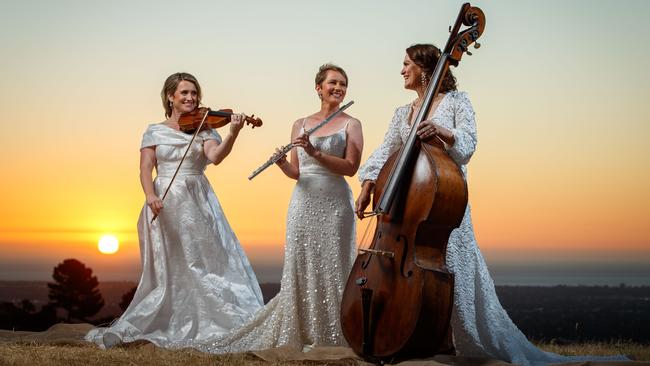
[(381, 253)]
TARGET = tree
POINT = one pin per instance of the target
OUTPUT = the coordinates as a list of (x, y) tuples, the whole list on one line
[(75, 290)]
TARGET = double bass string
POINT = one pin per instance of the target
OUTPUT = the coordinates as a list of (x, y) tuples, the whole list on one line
[(364, 243)]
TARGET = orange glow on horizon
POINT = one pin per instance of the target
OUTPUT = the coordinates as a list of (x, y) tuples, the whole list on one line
[(558, 170)]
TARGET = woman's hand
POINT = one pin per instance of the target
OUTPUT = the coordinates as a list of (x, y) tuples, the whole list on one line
[(154, 203), (364, 198), (428, 129), (279, 154), (303, 141), (236, 123)]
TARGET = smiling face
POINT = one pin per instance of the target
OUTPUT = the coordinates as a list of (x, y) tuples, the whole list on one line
[(412, 74), (332, 90), (185, 97)]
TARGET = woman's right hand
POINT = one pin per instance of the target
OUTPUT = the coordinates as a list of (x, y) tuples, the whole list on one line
[(154, 203), (303, 141), (364, 198), (278, 153)]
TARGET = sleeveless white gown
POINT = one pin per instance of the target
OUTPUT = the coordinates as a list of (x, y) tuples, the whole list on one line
[(319, 253), (196, 281)]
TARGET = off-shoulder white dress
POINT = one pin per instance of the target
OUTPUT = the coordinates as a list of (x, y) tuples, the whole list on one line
[(196, 280)]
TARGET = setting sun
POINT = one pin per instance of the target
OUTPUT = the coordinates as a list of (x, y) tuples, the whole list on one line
[(108, 244)]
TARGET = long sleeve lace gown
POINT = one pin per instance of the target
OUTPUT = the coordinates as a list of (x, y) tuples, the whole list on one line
[(480, 325), (196, 280), (318, 256)]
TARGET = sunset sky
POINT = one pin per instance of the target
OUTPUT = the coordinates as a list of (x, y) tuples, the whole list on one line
[(560, 90)]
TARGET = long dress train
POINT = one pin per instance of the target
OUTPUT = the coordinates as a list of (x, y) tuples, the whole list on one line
[(480, 325), (196, 280), (319, 253)]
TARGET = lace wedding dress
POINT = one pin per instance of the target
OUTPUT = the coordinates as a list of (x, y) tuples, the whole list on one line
[(196, 280), (481, 327), (318, 256)]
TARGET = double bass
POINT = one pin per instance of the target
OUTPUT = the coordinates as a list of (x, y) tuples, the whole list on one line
[(398, 299)]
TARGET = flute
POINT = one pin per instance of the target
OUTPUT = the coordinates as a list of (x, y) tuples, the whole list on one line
[(286, 148)]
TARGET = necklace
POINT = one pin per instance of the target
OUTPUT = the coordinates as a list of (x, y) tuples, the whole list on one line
[(417, 103)]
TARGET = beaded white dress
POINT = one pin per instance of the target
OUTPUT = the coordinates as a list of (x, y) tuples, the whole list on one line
[(318, 257), (480, 325), (196, 280)]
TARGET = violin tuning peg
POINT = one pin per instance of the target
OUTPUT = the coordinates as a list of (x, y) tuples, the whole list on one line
[(450, 29), (477, 45), (468, 53)]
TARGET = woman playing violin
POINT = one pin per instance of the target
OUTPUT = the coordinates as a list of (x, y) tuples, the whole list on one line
[(196, 280)]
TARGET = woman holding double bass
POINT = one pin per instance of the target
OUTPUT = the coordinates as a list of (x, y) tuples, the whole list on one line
[(450, 124), (479, 324)]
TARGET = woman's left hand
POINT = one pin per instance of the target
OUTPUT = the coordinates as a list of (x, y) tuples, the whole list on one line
[(303, 141), (428, 129), (236, 123)]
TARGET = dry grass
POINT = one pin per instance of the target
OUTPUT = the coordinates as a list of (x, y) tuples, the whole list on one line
[(87, 355), (637, 351)]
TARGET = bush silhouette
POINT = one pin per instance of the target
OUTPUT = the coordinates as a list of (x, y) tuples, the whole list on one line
[(23, 316), (127, 298), (75, 290)]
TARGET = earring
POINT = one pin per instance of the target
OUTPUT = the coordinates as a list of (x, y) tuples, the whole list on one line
[(424, 80)]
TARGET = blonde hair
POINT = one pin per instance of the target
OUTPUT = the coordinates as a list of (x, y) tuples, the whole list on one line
[(322, 73), (170, 87)]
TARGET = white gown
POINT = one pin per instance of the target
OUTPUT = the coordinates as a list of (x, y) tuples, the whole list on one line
[(480, 325), (318, 257), (196, 280)]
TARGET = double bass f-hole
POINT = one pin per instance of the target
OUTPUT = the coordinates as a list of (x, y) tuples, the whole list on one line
[(404, 254), (365, 263)]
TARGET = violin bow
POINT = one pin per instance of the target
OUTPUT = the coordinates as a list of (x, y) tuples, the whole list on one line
[(183, 158), (286, 148)]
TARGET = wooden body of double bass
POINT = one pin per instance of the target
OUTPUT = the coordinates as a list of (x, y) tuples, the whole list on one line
[(410, 295), (399, 296)]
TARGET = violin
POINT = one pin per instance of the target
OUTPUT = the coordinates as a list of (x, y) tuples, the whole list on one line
[(200, 119), (398, 299), (190, 121)]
